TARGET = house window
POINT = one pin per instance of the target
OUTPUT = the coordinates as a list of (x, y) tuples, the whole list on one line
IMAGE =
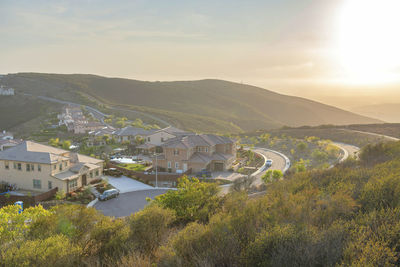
[(148, 139), (19, 166), (206, 149), (97, 172), (60, 166), (198, 149), (176, 151), (37, 184), (15, 165), (73, 184), (28, 167), (91, 174), (32, 167), (7, 165), (55, 167), (50, 185), (169, 164), (39, 167), (176, 165)]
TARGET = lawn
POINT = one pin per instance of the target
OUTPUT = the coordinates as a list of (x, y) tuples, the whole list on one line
[(133, 167)]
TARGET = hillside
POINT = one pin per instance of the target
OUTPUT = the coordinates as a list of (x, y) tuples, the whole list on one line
[(205, 105), (16, 112), (388, 112)]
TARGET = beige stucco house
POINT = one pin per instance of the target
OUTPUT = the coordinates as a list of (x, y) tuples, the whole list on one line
[(37, 167), (197, 152), (156, 139)]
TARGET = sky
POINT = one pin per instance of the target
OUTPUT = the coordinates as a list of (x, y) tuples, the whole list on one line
[(341, 52)]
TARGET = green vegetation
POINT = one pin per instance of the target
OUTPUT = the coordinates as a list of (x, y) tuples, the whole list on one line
[(206, 105), (272, 176), (345, 216), (342, 134), (310, 152), (23, 114), (132, 167)]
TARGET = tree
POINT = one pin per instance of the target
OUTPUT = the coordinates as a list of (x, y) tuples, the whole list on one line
[(149, 227), (276, 175), (13, 224), (267, 177), (193, 200), (53, 251), (302, 146), (66, 144)]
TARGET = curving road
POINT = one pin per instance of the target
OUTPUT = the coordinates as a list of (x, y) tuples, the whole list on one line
[(280, 162), (348, 150)]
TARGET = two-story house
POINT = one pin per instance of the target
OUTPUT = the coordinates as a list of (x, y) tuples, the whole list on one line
[(197, 152), (156, 139), (129, 134), (33, 166)]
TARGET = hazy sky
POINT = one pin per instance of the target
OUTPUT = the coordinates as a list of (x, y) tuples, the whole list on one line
[(298, 47)]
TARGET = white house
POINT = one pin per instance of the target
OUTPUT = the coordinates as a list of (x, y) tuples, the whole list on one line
[(6, 91)]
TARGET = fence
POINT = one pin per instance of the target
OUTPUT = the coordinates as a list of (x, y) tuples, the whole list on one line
[(161, 177), (8, 199)]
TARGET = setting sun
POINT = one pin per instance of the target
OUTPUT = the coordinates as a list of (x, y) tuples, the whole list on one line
[(368, 41)]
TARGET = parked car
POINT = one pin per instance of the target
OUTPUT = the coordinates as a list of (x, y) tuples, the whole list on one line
[(111, 193), (269, 162), (203, 173)]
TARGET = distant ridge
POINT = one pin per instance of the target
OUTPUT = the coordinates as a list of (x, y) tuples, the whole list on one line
[(203, 105)]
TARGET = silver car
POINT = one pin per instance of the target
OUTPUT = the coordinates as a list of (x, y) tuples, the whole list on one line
[(111, 193)]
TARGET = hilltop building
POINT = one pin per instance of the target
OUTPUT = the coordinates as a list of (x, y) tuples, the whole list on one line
[(6, 91)]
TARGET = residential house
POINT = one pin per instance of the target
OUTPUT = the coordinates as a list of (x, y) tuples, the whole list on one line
[(129, 134), (37, 167), (6, 144), (6, 135), (76, 122), (157, 138), (196, 152), (6, 91), (96, 138)]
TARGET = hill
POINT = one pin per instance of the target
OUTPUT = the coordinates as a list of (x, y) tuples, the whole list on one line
[(204, 105), (19, 111), (387, 112)]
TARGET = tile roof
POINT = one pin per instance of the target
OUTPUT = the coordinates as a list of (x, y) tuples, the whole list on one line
[(189, 141), (132, 131), (29, 151)]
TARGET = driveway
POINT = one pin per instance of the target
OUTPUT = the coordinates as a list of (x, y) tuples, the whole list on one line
[(127, 203), (125, 184), (231, 176)]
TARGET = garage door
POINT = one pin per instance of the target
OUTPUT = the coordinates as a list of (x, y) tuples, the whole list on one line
[(218, 167)]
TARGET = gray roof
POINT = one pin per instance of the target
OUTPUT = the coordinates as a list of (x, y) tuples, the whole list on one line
[(132, 131), (189, 141), (29, 151)]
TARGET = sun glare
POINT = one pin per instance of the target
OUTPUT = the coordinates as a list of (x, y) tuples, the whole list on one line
[(369, 41)]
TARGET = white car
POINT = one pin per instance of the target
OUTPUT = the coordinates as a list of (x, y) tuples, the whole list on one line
[(269, 162)]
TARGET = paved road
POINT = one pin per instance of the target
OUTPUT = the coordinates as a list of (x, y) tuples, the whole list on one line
[(127, 203), (349, 150), (279, 162), (389, 138)]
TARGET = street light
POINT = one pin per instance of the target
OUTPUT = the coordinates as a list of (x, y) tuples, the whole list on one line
[(156, 171)]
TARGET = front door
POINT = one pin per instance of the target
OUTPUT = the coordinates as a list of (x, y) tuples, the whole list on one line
[(84, 180), (218, 167), (184, 167)]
